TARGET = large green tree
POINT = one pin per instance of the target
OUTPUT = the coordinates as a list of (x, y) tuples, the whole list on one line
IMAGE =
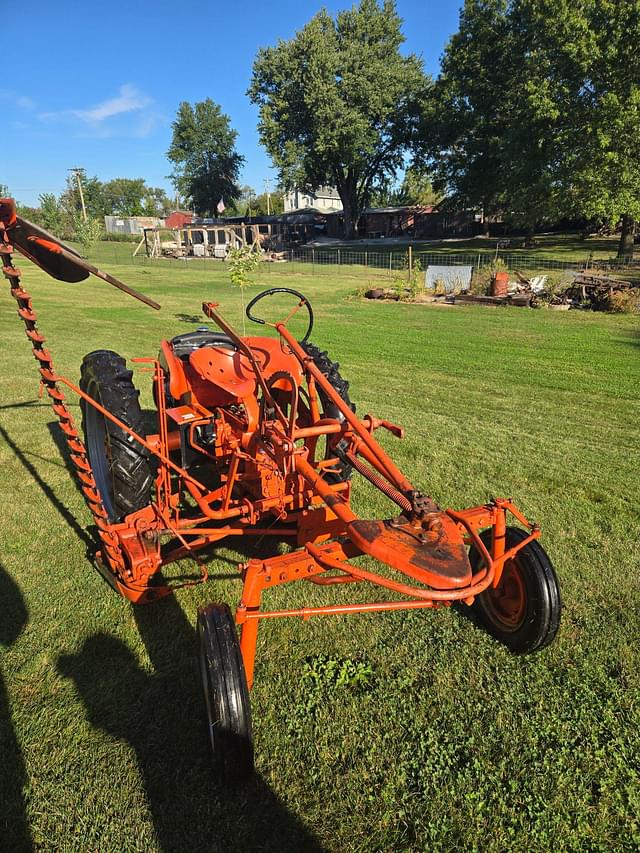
[(124, 196), (593, 87), (203, 151), (339, 103), (536, 111), (490, 147)]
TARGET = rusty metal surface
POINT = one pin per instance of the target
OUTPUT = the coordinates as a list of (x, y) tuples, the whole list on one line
[(434, 555)]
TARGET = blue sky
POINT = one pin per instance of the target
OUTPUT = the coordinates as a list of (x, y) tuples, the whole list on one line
[(98, 85)]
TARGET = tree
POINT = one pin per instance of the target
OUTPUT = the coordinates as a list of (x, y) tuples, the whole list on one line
[(416, 189), (275, 203), (207, 164), (156, 202), (87, 232), (241, 205), (536, 111), (250, 203), (32, 214), (339, 104), (51, 213), (591, 50), (92, 189), (124, 197), (489, 148)]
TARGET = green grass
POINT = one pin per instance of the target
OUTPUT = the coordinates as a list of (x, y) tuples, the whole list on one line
[(560, 247), (446, 741)]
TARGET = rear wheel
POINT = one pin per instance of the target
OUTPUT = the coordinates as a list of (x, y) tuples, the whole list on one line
[(121, 466), (523, 611), (341, 471), (226, 694)]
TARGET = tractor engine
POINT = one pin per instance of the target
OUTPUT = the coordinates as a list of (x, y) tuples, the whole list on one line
[(214, 409)]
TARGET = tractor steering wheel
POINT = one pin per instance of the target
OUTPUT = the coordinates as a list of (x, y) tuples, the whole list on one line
[(303, 301)]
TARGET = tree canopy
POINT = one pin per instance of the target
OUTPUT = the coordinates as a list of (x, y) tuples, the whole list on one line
[(203, 152), (536, 110), (118, 197), (339, 104)]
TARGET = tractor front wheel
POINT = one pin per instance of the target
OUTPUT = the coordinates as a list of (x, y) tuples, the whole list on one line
[(226, 694), (523, 611), (122, 467)]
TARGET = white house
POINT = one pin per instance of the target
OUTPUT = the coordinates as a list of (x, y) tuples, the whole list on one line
[(325, 199)]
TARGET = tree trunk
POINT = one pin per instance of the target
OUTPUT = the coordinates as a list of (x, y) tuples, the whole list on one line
[(529, 234), (350, 206), (485, 221), (625, 246), (347, 219)]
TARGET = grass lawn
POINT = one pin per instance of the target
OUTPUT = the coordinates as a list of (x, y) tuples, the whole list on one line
[(451, 742), (559, 247)]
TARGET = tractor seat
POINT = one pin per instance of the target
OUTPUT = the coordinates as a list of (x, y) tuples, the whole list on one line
[(183, 345)]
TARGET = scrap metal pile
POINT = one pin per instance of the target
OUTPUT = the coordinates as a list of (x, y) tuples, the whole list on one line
[(584, 290)]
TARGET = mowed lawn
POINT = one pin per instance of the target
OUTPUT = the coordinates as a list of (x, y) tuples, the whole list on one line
[(446, 741)]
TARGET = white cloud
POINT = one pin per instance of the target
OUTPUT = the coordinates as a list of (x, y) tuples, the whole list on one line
[(101, 120), (129, 100), (21, 101)]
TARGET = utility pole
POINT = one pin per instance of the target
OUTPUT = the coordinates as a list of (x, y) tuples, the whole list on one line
[(76, 171), (267, 189)]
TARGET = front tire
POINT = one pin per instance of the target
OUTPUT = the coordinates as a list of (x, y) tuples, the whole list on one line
[(523, 612), (331, 370), (226, 694), (122, 467)]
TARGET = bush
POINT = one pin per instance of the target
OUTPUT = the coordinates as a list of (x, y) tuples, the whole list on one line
[(625, 301), (114, 237)]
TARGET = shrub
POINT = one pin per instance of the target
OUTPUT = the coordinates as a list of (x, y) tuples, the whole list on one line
[(625, 301)]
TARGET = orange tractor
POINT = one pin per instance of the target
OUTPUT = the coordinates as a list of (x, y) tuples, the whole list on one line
[(257, 436)]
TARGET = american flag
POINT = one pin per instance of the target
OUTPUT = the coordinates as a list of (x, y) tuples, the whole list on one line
[(220, 206)]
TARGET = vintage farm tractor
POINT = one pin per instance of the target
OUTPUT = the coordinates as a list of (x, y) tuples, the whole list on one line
[(256, 436)]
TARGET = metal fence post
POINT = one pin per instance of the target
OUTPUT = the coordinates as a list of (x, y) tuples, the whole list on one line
[(338, 257)]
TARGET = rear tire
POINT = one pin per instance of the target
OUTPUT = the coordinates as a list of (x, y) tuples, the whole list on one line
[(226, 694), (523, 612), (121, 466), (331, 369)]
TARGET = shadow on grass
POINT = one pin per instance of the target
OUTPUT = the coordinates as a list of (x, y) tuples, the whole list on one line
[(68, 517), (191, 318), (161, 715), (14, 827)]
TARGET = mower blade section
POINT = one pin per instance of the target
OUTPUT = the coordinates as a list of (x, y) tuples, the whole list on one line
[(440, 562)]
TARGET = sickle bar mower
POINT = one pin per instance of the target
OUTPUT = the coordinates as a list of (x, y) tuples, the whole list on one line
[(257, 436)]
